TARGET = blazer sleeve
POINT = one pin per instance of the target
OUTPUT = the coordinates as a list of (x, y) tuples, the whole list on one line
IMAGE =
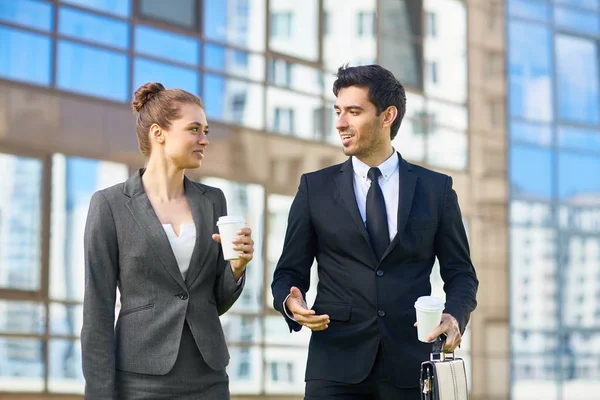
[(456, 268), (101, 271), (299, 250), (227, 289)]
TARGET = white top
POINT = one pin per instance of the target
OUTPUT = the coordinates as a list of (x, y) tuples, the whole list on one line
[(389, 181), (182, 245)]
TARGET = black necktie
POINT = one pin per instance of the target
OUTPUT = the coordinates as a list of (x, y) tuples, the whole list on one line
[(377, 225)]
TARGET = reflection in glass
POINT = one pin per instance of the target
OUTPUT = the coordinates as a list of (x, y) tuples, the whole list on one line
[(247, 200), (295, 76), (292, 113), (182, 12), (22, 366), (20, 222), (233, 101), (579, 138), (535, 377), (294, 28), (167, 45), (22, 317), (592, 4), (447, 148), (530, 172), (530, 71), (530, 9), (531, 341), (401, 18), (534, 277), (580, 369), (582, 217), (240, 329), (245, 370), (529, 212), (404, 59), (325, 118), (580, 21), (171, 76), (578, 82), (277, 333), (93, 28), (529, 132), (447, 115), (25, 56), (30, 13), (74, 181), (284, 370), (240, 23), (578, 181), (410, 141), (65, 320), (234, 62), (64, 366), (118, 7), (92, 71)]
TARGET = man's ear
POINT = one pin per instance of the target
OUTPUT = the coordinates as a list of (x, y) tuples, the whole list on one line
[(389, 115)]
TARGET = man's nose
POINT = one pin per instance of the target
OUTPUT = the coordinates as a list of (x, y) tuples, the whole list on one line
[(341, 123)]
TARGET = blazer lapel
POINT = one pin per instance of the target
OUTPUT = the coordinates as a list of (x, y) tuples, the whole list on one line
[(143, 213), (203, 214)]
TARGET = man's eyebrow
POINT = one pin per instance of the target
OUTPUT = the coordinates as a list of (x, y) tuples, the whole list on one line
[(352, 107)]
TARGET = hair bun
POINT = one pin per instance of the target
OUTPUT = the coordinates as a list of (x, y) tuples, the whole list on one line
[(145, 93)]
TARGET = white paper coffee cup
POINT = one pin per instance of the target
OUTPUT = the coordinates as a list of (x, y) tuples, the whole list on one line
[(228, 226), (429, 315)]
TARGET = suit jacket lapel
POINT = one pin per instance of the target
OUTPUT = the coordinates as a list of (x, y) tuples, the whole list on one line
[(141, 209), (203, 214)]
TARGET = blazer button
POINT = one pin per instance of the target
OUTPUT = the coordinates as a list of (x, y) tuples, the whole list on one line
[(379, 273), (381, 313), (183, 296)]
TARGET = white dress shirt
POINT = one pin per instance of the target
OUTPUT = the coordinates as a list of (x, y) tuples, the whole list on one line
[(389, 181), (182, 245)]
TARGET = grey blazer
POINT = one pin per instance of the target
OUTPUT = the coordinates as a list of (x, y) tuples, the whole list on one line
[(126, 247)]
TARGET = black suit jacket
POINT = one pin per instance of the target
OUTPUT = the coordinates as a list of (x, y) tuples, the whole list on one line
[(369, 301)]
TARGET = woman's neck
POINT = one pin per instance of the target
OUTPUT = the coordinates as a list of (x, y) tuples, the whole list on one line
[(162, 181)]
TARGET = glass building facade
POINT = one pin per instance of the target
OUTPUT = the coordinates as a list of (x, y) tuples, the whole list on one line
[(264, 68), (554, 173)]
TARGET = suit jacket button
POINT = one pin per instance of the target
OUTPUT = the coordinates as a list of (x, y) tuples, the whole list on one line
[(183, 296), (379, 273), (381, 313)]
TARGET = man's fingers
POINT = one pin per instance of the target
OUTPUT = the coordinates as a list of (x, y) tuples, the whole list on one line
[(441, 328), (312, 320), (298, 309)]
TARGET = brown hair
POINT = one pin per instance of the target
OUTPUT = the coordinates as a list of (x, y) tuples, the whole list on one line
[(154, 104)]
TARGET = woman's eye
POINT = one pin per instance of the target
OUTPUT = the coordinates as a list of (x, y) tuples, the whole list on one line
[(195, 129), (206, 133)]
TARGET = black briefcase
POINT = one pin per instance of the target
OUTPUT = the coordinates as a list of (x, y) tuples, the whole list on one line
[(443, 377)]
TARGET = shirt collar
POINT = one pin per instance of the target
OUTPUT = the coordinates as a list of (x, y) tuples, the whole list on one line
[(387, 168)]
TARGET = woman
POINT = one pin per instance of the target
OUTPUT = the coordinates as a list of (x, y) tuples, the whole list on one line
[(151, 237)]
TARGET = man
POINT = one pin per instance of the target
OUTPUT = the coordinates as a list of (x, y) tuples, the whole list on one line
[(375, 225)]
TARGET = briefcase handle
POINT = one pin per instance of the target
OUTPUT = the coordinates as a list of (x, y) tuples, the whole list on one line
[(437, 351)]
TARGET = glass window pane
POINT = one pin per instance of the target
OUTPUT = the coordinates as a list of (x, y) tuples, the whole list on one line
[(529, 212), (64, 364), (181, 12), (94, 28), (410, 140), (167, 45), (65, 320), (530, 71), (284, 370), (401, 18), (447, 148), (592, 4), (245, 370), (234, 62), (22, 317), (583, 217), (404, 59), (30, 13), (118, 7), (294, 28), (340, 27), (530, 172), (534, 278), (580, 368), (171, 76), (277, 333), (295, 76), (22, 366), (74, 181), (241, 23), (447, 115), (241, 329), (535, 377), (530, 9), (92, 71), (247, 200), (25, 56), (580, 21), (578, 178), (533, 133), (532, 341), (578, 138), (234, 101), (20, 222), (578, 82), (292, 113)]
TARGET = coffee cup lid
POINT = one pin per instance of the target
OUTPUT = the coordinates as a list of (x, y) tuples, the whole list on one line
[(429, 303), (229, 219)]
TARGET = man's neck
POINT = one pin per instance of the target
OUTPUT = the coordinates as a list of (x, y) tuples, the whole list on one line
[(375, 160)]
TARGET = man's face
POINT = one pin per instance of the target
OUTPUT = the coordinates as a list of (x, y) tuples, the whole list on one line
[(358, 124)]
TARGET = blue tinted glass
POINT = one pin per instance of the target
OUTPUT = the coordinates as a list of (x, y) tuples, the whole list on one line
[(231, 22), (214, 89), (530, 71), (171, 76), (578, 176), (92, 71), (25, 56), (117, 7), (581, 21), (94, 28), (214, 57), (578, 138), (215, 20), (531, 133), (34, 14), (578, 85), (166, 45), (534, 9), (530, 172), (180, 12), (593, 4)]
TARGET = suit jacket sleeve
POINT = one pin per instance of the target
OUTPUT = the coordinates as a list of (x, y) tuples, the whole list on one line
[(101, 271), (299, 250), (456, 269), (227, 289)]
